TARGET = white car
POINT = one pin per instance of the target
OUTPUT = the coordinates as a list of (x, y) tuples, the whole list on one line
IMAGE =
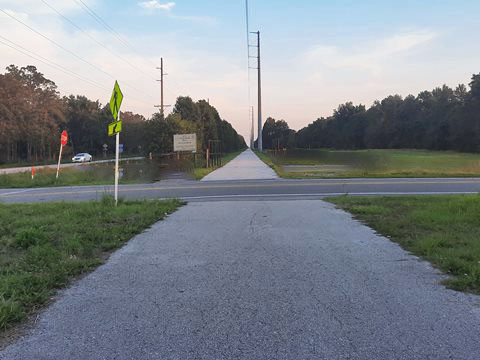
[(82, 157)]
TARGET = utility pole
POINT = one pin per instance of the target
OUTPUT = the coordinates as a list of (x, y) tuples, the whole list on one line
[(252, 132), (162, 74), (260, 140)]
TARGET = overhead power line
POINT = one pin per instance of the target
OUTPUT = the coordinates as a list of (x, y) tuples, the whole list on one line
[(40, 58), (94, 15), (56, 66), (110, 29), (96, 41), (71, 52), (98, 19)]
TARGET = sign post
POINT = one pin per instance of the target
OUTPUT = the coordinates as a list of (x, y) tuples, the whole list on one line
[(63, 142), (115, 128)]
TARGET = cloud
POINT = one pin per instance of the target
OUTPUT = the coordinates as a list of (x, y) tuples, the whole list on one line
[(19, 15), (372, 57), (198, 19), (35, 7), (155, 5)]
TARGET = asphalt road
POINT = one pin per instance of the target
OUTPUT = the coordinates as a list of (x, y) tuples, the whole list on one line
[(276, 283), (280, 189), (54, 166)]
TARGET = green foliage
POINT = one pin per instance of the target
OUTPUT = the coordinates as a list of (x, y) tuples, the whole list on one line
[(442, 229), (372, 163), (68, 177), (443, 119), (43, 246), (277, 135), (189, 117), (32, 116)]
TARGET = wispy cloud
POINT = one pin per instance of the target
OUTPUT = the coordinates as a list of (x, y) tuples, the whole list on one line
[(198, 19), (155, 5), (18, 15), (370, 56), (151, 6)]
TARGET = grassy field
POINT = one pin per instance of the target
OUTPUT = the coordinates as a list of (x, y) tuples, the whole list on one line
[(300, 163), (200, 173), (441, 229), (44, 246), (68, 177)]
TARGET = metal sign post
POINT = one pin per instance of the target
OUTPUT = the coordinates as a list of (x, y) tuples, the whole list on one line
[(115, 128), (117, 153), (63, 141)]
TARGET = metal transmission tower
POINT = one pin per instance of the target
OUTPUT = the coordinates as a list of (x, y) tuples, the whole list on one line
[(252, 132), (260, 140), (162, 106)]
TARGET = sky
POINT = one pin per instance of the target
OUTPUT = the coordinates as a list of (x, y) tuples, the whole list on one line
[(316, 54)]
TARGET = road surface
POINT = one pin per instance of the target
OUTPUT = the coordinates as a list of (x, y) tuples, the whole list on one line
[(248, 189), (247, 178), (54, 166), (257, 280)]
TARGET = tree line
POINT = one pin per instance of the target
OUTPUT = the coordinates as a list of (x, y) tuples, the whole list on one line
[(33, 114), (441, 119)]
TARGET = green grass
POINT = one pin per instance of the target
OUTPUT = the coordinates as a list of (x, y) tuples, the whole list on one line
[(374, 163), (68, 177), (44, 246), (441, 229), (271, 161), (200, 173)]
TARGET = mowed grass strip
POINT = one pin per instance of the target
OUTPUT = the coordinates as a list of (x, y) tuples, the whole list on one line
[(47, 178), (374, 163), (444, 230), (44, 246)]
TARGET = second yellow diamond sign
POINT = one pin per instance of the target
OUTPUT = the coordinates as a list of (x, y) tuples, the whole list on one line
[(114, 128), (115, 103)]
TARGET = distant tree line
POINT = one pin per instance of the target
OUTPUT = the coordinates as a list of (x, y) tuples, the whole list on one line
[(441, 119), (192, 117), (33, 114)]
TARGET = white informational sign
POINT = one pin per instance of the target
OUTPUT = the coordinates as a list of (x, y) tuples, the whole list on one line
[(185, 142)]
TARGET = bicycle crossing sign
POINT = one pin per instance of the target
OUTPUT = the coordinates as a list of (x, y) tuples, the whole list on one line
[(114, 128), (116, 101)]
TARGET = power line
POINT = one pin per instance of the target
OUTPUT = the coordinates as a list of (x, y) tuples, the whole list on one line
[(71, 52), (95, 40), (102, 22), (47, 62), (97, 18), (87, 9), (52, 64)]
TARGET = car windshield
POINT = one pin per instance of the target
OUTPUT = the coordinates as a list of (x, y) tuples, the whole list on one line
[(79, 155)]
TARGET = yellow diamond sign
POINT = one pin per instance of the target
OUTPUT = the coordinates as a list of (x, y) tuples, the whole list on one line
[(116, 102), (114, 128)]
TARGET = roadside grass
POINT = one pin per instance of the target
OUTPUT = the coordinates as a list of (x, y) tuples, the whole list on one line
[(66, 159), (68, 177), (200, 173), (441, 229), (269, 160), (374, 163), (44, 246)]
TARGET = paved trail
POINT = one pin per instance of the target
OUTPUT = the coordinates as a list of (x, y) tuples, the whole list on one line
[(257, 280), (246, 166)]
